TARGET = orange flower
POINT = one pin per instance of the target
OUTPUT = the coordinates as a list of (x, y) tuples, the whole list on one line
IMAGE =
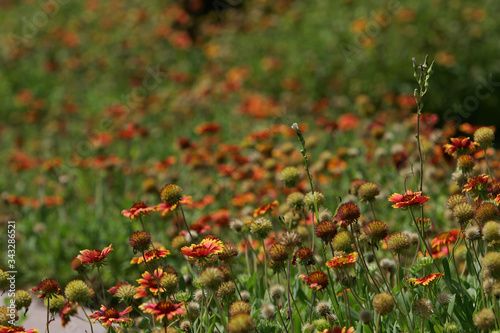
[(317, 279), (138, 209), (151, 255), (264, 209), (347, 122), (426, 280), (342, 261), (148, 285), (477, 185), (16, 329), (460, 146), (497, 200), (410, 198), (444, 238), (94, 256), (166, 208), (110, 316), (207, 247), (163, 309)]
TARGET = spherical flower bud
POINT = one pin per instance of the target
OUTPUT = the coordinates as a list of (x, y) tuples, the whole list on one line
[(140, 241), (322, 324), (169, 282), (171, 194), (126, 292), (229, 252), (423, 308), (376, 230), (491, 261), (278, 253), (5, 315), (267, 311), (295, 200), (185, 326), (348, 212), (78, 291), (487, 212), (245, 295), (55, 303), (472, 233), (211, 277), (226, 290), (383, 303), (484, 319), (290, 176), (388, 265), (323, 308), (22, 299), (355, 185), (484, 136), (368, 191), (261, 227), (466, 163), (342, 241), (241, 323), (326, 230), (276, 265), (463, 212), (325, 215), (451, 328), (398, 242), (239, 307), (365, 316), (491, 231), (193, 310), (444, 298), (309, 200), (276, 291), (291, 240), (454, 200), (4, 279)]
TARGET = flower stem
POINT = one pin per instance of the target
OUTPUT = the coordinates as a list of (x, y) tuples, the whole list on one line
[(91, 329), (48, 307), (312, 307), (185, 222), (289, 294), (102, 285)]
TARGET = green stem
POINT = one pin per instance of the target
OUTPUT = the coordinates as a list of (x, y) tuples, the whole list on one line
[(312, 307), (91, 329), (102, 285), (289, 294), (185, 222)]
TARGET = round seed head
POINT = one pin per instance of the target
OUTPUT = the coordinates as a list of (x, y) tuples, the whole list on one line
[(484, 319), (126, 292), (348, 212), (226, 290), (185, 326), (355, 184), (211, 277), (290, 176), (178, 242), (56, 303), (463, 212), (278, 253), (245, 295), (239, 307), (444, 298), (241, 323), (383, 303), (5, 315), (323, 308), (491, 262), (423, 308), (261, 227), (398, 242), (326, 230), (388, 264), (325, 215), (342, 241), (309, 200), (4, 279), (365, 316), (291, 240), (140, 241), (487, 212), (472, 233), (267, 311), (22, 299), (454, 200), (376, 230), (466, 163), (368, 191), (484, 136), (276, 291), (171, 194), (491, 231), (79, 292), (169, 282)]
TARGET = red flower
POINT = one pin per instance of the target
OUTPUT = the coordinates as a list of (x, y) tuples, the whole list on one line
[(166, 208), (151, 255), (477, 185), (48, 288), (497, 200), (163, 309), (410, 198), (110, 316), (16, 329), (444, 238), (94, 256), (426, 280), (460, 146), (148, 284), (208, 246), (342, 261), (264, 209), (317, 279), (70, 309), (138, 209)]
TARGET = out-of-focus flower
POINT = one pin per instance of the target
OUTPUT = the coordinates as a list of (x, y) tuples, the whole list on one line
[(108, 317), (138, 209), (94, 257), (477, 185), (47, 288), (342, 261), (266, 208), (151, 255), (426, 280), (408, 199), (460, 146), (16, 329), (207, 247), (165, 208), (163, 310), (317, 279), (444, 238)]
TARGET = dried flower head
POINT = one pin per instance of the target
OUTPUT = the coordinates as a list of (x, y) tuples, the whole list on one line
[(326, 230), (211, 277), (241, 323), (487, 212), (444, 298), (261, 227), (398, 242), (368, 191), (169, 282), (454, 200), (463, 212), (47, 288), (309, 200), (491, 262), (383, 303), (484, 319), (291, 240), (278, 253), (267, 311), (304, 255), (466, 163), (140, 241), (423, 308), (484, 137), (365, 316), (276, 291), (348, 212), (472, 233), (491, 231), (228, 253), (325, 215), (239, 307), (290, 176), (375, 230), (296, 201), (343, 241)]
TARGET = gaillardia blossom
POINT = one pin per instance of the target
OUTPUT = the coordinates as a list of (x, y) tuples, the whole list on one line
[(460, 146), (165, 208), (108, 317), (342, 261), (16, 329), (317, 279), (162, 309), (264, 209), (149, 284), (408, 199), (426, 280), (94, 256), (151, 255), (207, 247), (138, 209)]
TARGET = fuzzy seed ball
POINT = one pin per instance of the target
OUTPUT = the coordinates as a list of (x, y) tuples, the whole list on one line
[(491, 261), (185, 326), (245, 295), (4, 282), (261, 227), (326, 230), (487, 212), (126, 292), (226, 290), (423, 308), (325, 215), (322, 324), (463, 212), (484, 136), (368, 191), (276, 292), (383, 303), (472, 233), (199, 295), (57, 302), (290, 176), (444, 298), (342, 241), (78, 291), (295, 200), (278, 253), (376, 230), (365, 316), (267, 311), (229, 252), (169, 283), (355, 185), (466, 163), (454, 200), (241, 323), (171, 194), (22, 299), (398, 242), (5, 315), (308, 328), (291, 240), (323, 308), (309, 200), (491, 231), (349, 212), (239, 307), (140, 241), (388, 264), (193, 309), (211, 277), (484, 319), (451, 328)]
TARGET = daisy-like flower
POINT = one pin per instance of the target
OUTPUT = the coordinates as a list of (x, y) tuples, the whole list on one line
[(71, 309), (108, 317), (207, 247), (317, 279), (148, 284), (338, 329), (444, 238), (460, 146), (408, 199), (138, 209), (47, 288), (163, 310), (264, 209), (477, 185), (426, 280), (94, 257), (497, 200), (16, 329), (342, 261), (165, 208), (151, 255)]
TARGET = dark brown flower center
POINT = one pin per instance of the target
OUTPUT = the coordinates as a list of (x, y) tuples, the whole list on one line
[(111, 313)]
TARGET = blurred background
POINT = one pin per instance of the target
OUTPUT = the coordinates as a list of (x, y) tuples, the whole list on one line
[(100, 97)]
